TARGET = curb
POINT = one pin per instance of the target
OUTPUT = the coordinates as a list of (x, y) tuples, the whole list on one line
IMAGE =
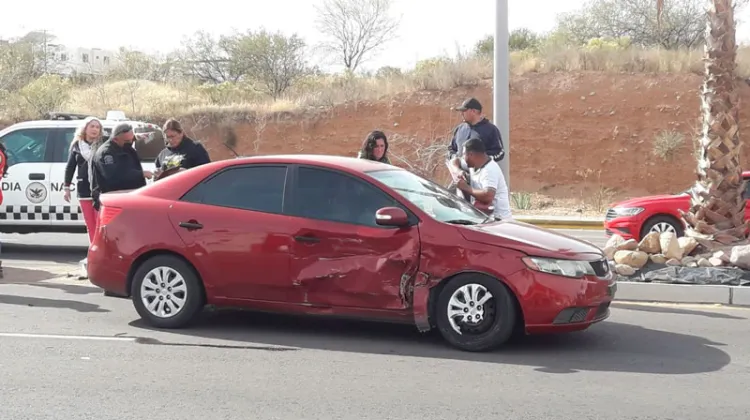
[(559, 223), (683, 293)]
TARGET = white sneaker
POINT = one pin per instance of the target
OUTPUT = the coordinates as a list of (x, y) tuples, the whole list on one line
[(84, 274)]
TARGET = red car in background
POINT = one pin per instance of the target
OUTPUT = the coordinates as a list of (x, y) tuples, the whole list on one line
[(635, 218), (328, 235)]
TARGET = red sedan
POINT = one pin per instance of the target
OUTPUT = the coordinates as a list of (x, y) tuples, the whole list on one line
[(329, 235), (635, 218)]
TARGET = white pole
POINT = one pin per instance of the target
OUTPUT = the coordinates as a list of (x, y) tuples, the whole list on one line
[(501, 94)]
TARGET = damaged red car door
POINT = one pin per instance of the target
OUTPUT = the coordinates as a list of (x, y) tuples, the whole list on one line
[(340, 256), (233, 225)]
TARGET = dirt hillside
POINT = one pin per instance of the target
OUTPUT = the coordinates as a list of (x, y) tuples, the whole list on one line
[(572, 135)]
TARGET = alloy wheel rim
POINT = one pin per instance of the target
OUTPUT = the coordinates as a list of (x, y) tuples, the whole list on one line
[(663, 227)]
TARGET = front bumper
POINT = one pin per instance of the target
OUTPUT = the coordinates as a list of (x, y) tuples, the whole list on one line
[(629, 227), (559, 304)]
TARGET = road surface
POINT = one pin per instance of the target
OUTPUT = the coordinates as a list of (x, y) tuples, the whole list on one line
[(68, 352)]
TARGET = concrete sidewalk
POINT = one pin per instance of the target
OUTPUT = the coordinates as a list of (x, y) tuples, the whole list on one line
[(683, 293)]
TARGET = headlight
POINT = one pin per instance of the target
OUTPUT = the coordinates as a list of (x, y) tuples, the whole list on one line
[(627, 211), (566, 268)]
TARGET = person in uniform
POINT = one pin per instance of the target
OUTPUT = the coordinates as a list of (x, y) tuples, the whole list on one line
[(181, 150), (115, 165)]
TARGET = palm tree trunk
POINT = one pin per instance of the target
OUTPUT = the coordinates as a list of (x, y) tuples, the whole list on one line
[(716, 215)]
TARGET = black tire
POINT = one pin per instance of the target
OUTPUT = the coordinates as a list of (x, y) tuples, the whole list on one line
[(650, 223), (489, 336), (194, 301)]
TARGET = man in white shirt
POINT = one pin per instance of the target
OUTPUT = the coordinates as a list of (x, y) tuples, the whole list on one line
[(488, 189)]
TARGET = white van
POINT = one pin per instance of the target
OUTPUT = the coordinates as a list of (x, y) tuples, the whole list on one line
[(37, 152)]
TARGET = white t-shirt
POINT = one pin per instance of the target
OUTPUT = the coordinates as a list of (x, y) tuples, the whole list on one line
[(491, 176)]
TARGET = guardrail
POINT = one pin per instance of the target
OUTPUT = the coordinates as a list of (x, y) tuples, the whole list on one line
[(563, 222)]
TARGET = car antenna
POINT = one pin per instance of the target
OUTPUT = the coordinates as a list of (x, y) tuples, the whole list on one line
[(230, 139)]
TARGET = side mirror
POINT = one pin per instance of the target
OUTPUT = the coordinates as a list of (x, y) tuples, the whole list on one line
[(391, 216)]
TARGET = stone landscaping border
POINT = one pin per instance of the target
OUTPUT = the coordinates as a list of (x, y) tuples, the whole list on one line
[(683, 293)]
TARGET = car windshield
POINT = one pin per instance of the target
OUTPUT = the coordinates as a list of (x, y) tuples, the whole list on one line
[(430, 197)]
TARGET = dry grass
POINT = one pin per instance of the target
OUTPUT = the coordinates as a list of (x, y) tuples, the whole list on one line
[(667, 143), (152, 100)]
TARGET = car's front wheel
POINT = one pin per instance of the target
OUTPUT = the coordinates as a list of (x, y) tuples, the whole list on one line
[(662, 224), (475, 313), (167, 292)]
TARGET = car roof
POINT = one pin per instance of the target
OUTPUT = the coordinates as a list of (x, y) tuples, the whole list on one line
[(746, 174), (73, 123), (330, 161)]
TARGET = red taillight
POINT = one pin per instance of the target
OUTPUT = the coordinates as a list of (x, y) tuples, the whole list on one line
[(107, 214)]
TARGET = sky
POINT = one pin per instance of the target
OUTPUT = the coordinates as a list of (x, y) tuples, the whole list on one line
[(428, 28)]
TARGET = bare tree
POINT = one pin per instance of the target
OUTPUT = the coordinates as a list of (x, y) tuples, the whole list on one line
[(671, 24), (355, 29), (207, 59)]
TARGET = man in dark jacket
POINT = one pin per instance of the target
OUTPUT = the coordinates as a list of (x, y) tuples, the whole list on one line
[(188, 152), (476, 125), (115, 165)]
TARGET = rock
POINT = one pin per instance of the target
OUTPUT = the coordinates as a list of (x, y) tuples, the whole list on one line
[(722, 256), (689, 261), (611, 246), (629, 245), (703, 262), (636, 259), (673, 262), (658, 259), (740, 256), (716, 262), (624, 270), (670, 247), (687, 244), (650, 243)]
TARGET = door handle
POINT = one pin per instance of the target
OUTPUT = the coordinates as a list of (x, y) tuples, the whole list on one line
[(191, 225), (36, 177), (308, 239)]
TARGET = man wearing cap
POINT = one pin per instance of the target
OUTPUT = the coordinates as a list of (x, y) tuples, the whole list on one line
[(475, 125), (115, 165)]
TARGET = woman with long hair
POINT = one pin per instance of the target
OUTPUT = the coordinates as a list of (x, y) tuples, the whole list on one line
[(85, 140), (375, 147)]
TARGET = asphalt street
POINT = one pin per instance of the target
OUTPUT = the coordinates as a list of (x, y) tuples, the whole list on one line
[(69, 352)]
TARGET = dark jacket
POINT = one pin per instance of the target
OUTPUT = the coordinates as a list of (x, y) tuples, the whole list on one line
[(193, 154), (77, 164), (114, 168), (486, 131)]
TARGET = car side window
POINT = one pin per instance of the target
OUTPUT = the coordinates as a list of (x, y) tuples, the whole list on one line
[(26, 145), (259, 188), (68, 135), (746, 193), (327, 195)]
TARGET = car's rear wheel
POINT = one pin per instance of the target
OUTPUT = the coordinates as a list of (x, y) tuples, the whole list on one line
[(661, 224), (475, 313), (167, 292)]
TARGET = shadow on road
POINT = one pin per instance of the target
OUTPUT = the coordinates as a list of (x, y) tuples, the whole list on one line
[(50, 303), (51, 253), (73, 289), (673, 310), (607, 347), (14, 275)]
